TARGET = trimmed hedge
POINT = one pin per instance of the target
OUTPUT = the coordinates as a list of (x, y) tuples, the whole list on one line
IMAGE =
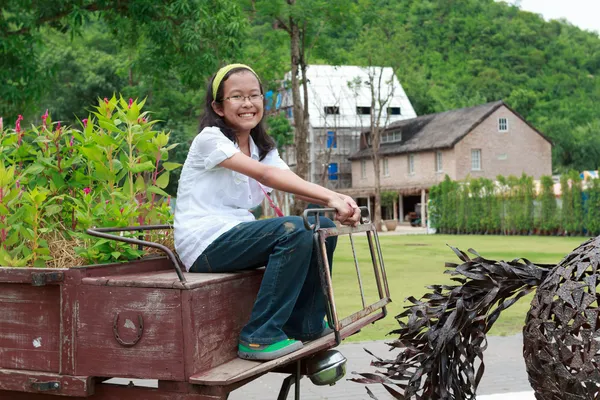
[(510, 206)]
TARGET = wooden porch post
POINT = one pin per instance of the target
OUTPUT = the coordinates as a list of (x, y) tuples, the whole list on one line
[(401, 207), (395, 209), (423, 216)]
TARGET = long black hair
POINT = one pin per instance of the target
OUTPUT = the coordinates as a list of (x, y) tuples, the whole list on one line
[(263, 141)]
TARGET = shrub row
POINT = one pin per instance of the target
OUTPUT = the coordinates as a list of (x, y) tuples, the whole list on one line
[(512, 206)]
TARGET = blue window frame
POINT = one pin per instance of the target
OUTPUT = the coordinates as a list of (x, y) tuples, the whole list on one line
[(331, 140), (333, 171)]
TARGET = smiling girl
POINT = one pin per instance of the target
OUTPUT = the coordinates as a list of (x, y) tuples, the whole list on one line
[(232, 163)]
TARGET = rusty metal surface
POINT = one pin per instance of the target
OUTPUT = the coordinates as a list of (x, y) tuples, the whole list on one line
[(320, 235), (562, 330), (443, 334)]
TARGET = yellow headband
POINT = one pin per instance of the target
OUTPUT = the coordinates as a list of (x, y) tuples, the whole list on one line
[(223, 71)]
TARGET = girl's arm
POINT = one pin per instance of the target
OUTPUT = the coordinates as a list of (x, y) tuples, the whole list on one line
[(288, 181)]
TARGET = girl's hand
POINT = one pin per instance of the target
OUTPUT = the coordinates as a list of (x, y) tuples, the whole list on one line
[(348, 212)]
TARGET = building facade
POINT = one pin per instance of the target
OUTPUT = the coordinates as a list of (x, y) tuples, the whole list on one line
[(482, 141), (339, 107)]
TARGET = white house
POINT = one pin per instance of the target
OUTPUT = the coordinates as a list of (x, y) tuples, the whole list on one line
[(339, 106)]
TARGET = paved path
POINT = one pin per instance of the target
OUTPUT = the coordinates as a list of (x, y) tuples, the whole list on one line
[(504, 378), (504, 374)]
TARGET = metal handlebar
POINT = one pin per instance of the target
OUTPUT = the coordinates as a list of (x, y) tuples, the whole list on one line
[(102, 233), (365, 216)]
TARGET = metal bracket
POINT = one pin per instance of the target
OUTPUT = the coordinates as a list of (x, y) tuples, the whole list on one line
[(45, 386), (43, 278)]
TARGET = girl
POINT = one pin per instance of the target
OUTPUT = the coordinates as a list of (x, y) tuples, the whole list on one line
[(230, 166)]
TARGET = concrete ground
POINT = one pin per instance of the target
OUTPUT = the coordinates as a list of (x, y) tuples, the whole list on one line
[(504, 378)]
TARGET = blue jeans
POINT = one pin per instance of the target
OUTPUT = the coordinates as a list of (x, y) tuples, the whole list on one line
[(290, 301)]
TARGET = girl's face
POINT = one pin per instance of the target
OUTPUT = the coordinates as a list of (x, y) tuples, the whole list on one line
[(240, 114)]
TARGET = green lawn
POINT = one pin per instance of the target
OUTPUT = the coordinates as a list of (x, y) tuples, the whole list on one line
[(415, 261)]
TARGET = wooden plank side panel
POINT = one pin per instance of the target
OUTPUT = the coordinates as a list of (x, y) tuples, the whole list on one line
[(23, 275), (213, 318), (21, 381), (68, 326), (238, 369), (131, 267), (29, 327), (159, 352)]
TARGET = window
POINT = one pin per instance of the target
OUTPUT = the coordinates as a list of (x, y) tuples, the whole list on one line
[(332, 110), (394, 111), (363, 110), (363, 169), (411, 164), (438, 161), (332, 171), (331, 140), (389, 137), (476, 160), (386, 167), (502, 125), (289, 112)]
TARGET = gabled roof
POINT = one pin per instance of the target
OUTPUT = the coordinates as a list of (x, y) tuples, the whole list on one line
[(436, 131), (329, 86)]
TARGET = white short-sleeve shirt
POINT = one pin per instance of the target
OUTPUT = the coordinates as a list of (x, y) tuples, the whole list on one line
[(211, 199)]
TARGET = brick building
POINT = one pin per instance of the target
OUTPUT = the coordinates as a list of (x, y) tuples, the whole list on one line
[(483, 141)]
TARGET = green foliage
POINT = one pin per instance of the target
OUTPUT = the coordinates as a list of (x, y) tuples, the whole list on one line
[(593, 208), (512, 206), (280, 130), (180, 39), (57, 180), (547, 222)]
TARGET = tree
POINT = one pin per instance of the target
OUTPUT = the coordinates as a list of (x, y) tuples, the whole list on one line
[(375, 48), (190, 38), (303, 21)]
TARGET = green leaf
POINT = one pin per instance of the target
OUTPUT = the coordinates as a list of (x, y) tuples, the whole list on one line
[(145, 166), (170, 166), (139, 184), (157, 190), (34, 169), (53, 209), (92, 153), (42, 251), (163, 180)]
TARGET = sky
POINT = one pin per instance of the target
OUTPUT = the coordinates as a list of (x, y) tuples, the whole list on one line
[(582, 13)]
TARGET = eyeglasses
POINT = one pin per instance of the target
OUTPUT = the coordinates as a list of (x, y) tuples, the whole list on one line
[(239, 99)]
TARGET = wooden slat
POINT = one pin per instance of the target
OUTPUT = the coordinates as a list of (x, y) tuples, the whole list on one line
[(23, 275), (68, 326), (148, 264), (157, 355), (167, 279), (238, 369), (20, 381), (29, 327), (213, 317)]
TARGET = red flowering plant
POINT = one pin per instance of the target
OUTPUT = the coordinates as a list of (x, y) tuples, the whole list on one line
[(56, 182)]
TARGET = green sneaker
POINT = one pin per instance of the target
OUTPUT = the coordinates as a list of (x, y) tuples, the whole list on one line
[(265, 352)]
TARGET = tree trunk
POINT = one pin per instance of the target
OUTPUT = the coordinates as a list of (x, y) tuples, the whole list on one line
[(375, 140), (300, 120)]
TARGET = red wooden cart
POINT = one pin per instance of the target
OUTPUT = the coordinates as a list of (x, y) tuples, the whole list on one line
[(64, 332)]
